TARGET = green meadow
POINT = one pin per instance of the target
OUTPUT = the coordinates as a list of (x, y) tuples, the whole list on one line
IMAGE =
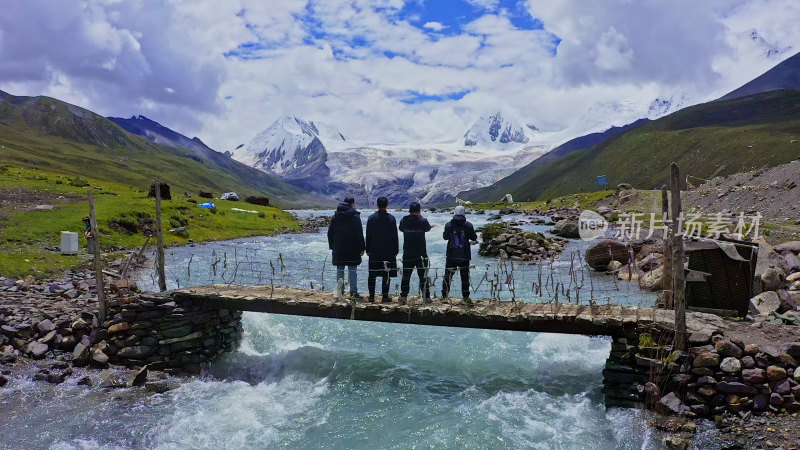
[(25, 231)]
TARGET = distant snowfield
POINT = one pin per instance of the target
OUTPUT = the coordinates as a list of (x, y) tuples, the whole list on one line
[(429, 175)]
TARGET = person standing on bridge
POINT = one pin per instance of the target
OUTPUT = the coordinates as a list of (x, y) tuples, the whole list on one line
[(346, 242), (458, 233), (382, 248), (415, 252)]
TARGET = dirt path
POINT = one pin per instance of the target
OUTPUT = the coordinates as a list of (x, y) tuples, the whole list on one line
[(18, 199)]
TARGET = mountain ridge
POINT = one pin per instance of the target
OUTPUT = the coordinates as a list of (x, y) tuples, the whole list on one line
[(46, 132), (784, 75)]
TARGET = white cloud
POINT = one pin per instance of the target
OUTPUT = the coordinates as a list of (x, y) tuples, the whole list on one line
[(435, 26), (613, 52), (488, 5), (356, 63)]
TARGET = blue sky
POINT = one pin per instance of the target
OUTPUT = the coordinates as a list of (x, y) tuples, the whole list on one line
[(388, 70)]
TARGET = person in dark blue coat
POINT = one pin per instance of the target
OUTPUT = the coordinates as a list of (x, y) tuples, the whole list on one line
[(458, 233), (382, 248), (346, 241), (415, 252)]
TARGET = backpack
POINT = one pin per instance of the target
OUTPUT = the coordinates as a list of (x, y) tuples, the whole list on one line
[(458, 240)]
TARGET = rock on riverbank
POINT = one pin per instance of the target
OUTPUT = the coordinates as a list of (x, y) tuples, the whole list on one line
[(516, 244)]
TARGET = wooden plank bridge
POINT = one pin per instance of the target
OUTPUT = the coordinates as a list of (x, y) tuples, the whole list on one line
[(569, 318)]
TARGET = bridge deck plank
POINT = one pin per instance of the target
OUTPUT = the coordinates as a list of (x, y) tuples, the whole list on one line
[(488, 314)]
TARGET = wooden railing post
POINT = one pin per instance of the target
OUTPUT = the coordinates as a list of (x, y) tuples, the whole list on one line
[(667, 276), (678, 276), (98, 265), (162, 277)]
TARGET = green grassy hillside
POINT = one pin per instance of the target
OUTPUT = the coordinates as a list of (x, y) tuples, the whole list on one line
[(717, 138), (26, 231), (49, 134)]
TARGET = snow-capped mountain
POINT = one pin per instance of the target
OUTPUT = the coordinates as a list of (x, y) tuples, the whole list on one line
[(293, 149), (316, 156), (497, 131), (668, 105), (766, 48)]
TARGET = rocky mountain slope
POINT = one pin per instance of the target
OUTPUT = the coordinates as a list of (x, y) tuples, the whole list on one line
[(46, 133), (772, 191), (155, 132), (706, 140)]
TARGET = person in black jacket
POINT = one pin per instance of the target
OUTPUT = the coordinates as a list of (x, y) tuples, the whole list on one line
[(458, 233), (346, 241), (382, 248), (415, 252)]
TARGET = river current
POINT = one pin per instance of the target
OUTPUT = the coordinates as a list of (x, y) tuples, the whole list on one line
[(309, 383)]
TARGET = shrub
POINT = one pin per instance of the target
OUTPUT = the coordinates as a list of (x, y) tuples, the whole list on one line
[(262, 215), (181, 232), (78, 182), (178, 221), (492, 230), (125, 225)]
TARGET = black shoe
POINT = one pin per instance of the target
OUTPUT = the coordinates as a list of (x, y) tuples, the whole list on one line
[(371, 298), (428, 300), (386, 299), (468, 302), (356, 297), (402, 300)]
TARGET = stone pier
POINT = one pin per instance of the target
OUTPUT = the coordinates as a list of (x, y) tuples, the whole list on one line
[(163, 332)]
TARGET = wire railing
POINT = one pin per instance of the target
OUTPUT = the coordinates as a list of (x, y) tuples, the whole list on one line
[(563, 279)]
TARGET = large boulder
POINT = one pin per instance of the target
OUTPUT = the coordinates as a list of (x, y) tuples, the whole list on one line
[(567, 228), (792, 262), (766, 302), (771, 279), (670, 404), (650, 262), (653, 280), (601, 253), (792, 246)]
